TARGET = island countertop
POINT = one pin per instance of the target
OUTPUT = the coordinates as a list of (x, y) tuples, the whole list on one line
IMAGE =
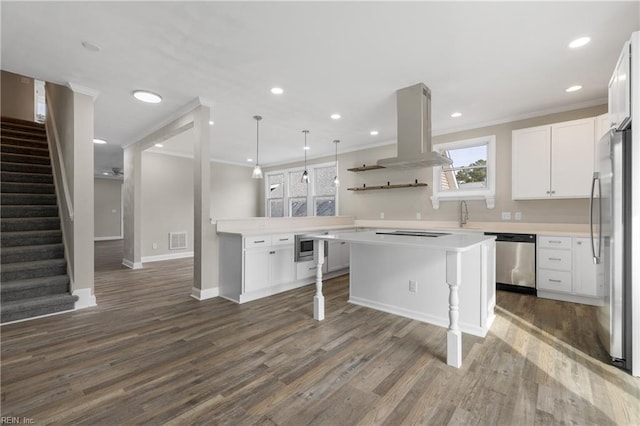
[(447, 241)]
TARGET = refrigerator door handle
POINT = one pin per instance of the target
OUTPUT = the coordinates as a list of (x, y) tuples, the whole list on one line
[(596, 178)]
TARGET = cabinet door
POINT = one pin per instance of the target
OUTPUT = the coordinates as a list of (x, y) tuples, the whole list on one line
[(584, 270), (338, 255), (530, 165), (281, 265), (256, 270), (572, 146)]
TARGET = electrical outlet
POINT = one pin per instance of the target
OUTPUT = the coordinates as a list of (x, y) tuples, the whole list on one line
[(413, 286), (418, 215), (518, 215), (506, 215), (381, 215), (155, 246)]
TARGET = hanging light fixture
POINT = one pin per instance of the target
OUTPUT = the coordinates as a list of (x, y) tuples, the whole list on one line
[(336, 181), (257, 170), (305, 174)]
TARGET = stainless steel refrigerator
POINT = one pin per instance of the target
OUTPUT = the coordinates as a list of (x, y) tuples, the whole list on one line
[(611, 243)]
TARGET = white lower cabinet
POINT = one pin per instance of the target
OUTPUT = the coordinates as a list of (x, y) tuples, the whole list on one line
[(256, 270), (338, 255), (565, 270)]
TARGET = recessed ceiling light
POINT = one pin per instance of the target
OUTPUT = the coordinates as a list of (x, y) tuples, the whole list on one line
[(307, 148), (456, 114), (148, 97), (99, 141), (105, 173), (277, 90), (90, 46), (250, 160), (211, 123), (579, 42), (574, 88), (158, 145), (373, 133), (335, 116)]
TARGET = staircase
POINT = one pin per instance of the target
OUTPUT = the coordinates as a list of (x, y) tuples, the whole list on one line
[(33, 278)]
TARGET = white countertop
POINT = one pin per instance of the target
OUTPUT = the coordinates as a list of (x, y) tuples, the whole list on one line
[(453, 242), (273, 231)]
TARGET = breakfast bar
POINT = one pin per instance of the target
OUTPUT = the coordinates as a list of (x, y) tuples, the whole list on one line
[(445, 279)]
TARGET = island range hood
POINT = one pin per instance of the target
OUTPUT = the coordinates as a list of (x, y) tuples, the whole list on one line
[(414, 131)]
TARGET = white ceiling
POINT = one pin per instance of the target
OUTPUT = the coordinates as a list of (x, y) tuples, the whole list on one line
[(492, 61)]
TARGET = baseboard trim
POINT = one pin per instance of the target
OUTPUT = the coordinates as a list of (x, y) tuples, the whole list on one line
[(573, 298), (170, 256), (207, 293), (132, 265), (418, 316), (85, 298), (33, 318), (107, 238)]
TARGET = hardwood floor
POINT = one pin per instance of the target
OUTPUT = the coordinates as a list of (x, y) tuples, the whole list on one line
[(150, 354)]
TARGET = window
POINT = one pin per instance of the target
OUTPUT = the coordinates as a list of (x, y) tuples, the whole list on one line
[(472, 174), (286, 195)]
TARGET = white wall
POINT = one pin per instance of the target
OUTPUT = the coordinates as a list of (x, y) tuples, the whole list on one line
[(403, 204), (18, 96), (107, 208)]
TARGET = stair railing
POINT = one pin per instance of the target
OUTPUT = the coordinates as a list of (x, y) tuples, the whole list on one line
[(59, 172)]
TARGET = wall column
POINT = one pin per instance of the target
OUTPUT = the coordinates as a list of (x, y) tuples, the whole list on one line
[(131, 209)]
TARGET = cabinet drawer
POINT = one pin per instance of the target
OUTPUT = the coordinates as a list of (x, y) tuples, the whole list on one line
[(282, 239), (554, 242), (258, 241), (306, 269), (554, 259), (554, 280)]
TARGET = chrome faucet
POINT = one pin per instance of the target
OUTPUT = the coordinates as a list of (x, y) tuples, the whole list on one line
[(464, 213)]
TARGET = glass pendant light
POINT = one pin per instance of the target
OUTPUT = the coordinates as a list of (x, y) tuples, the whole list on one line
[(336, 181), (305, 174), (257, 170)]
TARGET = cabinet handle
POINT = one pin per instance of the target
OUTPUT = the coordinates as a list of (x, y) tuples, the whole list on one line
[(312, 268), (579, 243), (553, 192), (343, 242), (548, 192), (272, 252), (284, 239), (554, 242), (261, 241), (555, 258), (555, 281)]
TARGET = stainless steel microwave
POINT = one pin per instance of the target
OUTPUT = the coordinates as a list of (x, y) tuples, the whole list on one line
[(304, 247)]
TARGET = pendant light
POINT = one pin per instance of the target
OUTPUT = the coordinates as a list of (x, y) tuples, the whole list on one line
[(305, 174), (257, 170), (336, 181)]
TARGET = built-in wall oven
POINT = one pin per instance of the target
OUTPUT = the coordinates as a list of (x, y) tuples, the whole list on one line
[(304, 247)]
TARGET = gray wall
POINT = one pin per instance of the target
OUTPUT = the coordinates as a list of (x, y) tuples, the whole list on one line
[(403, 204), (167, 198), (107, 208), (18, 96)]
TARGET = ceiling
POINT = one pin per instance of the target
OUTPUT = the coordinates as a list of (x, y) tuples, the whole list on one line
[(492, 61)]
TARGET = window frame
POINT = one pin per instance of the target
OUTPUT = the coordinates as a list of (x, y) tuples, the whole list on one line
[(311, 192), (487, 193)]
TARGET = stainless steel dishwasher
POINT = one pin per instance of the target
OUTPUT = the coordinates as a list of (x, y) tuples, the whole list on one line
[(515, 262)]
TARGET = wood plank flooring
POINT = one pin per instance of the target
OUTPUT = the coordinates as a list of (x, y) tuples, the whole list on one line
[(150, 354)]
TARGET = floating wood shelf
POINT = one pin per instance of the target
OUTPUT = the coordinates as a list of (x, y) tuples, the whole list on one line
[(364, 168), (402, 185)]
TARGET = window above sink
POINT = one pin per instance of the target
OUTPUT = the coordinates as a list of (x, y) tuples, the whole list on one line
[(472, 174)]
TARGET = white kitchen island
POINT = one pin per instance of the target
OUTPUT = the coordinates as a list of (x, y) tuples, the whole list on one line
[(446, 280)]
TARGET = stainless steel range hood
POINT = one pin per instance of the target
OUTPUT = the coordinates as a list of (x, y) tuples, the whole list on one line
[(414, 131)]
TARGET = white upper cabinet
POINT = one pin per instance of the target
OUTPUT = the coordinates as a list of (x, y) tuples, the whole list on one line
[(553, 161), (620, 91)]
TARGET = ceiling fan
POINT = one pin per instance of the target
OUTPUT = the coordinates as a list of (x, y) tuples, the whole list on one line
[(117, 171)]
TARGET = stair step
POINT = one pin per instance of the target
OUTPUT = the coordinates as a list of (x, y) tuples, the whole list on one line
[(24, 159), (17, 225), (37, 306), (31, 253), (28, 238), (28, 211), (7, 176), (7, 166), (27, 188), (35, 287), (9, 148), (36, 269), (16, 199), (17, 122), (23, 133)]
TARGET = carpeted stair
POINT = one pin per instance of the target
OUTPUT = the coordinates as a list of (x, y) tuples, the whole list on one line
[(33, 278)]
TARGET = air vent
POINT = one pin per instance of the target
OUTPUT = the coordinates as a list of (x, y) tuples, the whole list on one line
[(177, 240)]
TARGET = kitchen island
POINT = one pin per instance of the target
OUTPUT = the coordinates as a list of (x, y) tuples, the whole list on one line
[(445, 279)]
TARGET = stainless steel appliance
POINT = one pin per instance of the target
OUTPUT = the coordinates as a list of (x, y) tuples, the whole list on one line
[(615, 217), (304, 247), (515, 262)]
